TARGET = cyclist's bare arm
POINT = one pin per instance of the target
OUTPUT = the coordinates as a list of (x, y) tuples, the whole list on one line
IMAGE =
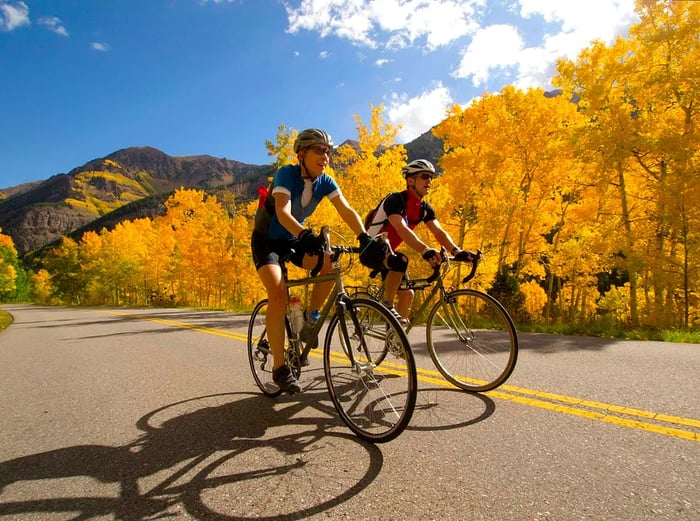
[(283, 209), (408, 236), (441, 236), (347, 214)]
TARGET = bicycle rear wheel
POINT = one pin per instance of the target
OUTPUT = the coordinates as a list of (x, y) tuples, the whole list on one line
[(472, 340), (259, 353), (370, 371)]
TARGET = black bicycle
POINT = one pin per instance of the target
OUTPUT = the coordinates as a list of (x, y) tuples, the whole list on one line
[(368, 364)]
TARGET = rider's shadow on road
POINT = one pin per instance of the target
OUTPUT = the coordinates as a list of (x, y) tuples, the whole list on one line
[(186, 448)]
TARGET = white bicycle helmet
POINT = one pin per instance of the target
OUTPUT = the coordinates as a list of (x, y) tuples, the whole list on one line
[(310, 137), (417, 166)]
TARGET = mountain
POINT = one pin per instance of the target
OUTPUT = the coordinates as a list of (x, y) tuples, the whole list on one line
[(425, 146), (128, 184), (136, 179)]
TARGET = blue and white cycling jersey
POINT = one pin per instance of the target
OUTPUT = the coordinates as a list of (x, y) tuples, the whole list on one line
[(288, 180)]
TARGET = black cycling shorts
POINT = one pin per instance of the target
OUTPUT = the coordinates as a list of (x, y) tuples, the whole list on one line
[(267, 251)]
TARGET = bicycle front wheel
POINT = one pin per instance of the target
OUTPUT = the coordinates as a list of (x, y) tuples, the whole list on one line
[(472, 340), (259, 352), (370, 371)]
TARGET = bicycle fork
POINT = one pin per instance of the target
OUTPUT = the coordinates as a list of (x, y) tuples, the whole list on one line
[(357, 366), (454, 321)]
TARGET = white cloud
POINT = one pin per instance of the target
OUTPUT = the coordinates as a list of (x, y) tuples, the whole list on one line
[(391, 23), (323, 55), (54, 24), (381, 62), (493, 47), (419, 114), (13, 15), (100, 46), (502, 48), (597, 19), (600, 19)]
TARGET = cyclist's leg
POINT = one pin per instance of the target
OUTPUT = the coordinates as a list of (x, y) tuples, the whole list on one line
[(394, 272), (273, 280), (391, 285), (266, 255), (320, 292), (404, 300)]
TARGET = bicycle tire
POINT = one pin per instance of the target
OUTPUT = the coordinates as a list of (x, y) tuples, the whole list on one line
[(259, 353), (472, 340), (376, 395)]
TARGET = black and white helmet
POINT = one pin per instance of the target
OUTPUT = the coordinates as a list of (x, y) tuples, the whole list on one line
[(417, 166), (310, 137)]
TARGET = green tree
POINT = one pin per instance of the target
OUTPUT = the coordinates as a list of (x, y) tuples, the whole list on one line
[(67, 279)]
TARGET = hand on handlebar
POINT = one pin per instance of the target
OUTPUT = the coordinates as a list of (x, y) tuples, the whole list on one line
[(432, 257), (464, 256), (310, 243)]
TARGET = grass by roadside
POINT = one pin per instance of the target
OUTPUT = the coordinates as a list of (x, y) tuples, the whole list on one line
[(606, 331), (5, 319)]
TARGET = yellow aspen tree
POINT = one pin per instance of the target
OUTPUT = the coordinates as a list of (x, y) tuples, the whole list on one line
[(467, 165), (8, 260), (596, 81), (370, 168), (640, 99), (666, 65), (245, 286), (94, 262), (123, 249), (282, 150), (508, 162), (155, 260), (202, 255), (41, 287)]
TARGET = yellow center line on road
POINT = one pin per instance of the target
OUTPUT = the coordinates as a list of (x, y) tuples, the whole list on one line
[(209, 330), (599, 411)]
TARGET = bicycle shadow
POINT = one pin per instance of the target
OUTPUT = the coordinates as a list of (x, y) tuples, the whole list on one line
[(188, 449), (440, 408)]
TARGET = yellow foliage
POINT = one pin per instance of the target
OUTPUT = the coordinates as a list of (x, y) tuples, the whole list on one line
[(112, 163), (8, 277), (41, 286), (535, 299), (6, 242), (615, 303)]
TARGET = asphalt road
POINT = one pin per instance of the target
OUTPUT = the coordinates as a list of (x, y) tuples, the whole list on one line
[(152, 414)]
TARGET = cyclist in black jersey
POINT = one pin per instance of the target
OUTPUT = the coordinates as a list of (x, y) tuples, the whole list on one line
[(397, 215)]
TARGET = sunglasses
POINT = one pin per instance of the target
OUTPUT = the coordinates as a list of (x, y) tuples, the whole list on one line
[(321, 151), (425, 176)]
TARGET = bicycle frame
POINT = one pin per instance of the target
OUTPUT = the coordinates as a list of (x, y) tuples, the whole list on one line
[(337, 299), (438, 286)]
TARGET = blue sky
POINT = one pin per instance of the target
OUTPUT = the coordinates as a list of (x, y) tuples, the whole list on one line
[(80, 79)]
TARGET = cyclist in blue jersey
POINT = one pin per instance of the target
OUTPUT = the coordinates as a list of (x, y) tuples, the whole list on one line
[(279, 228)]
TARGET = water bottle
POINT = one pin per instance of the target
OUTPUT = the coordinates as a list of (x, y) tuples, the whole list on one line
[(296, 314)]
